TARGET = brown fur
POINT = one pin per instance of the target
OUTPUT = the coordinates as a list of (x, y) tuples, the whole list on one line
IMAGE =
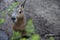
[(20, 24)]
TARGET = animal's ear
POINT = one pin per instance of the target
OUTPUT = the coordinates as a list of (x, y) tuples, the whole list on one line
[(23, 4)]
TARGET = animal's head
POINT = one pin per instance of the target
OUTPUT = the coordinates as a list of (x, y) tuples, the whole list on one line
[(18, 12)]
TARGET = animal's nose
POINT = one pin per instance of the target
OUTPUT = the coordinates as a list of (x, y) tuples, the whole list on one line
[(13, 19)]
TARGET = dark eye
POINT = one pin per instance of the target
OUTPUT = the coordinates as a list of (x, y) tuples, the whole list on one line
[(20, 12)]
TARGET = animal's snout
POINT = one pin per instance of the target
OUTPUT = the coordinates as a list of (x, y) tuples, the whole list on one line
[(13, 19)]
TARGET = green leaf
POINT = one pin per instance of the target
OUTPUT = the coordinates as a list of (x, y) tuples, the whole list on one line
[(51, 38), (15, 35), (3, 13), (23, 39), (30, 26), (13, 6), (2, 20), (35, 37)]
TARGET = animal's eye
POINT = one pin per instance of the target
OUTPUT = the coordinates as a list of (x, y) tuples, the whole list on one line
[(20, 12)]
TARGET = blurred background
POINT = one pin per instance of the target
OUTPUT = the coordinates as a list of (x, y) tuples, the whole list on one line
[(42, 17)]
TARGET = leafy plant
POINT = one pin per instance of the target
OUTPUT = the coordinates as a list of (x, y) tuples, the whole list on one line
[(35, 37), (15, 35), (51, 38), (2, 20), (30, 27), (10, 8)]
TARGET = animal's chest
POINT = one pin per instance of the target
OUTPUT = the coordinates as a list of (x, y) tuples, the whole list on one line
[(19, 26)]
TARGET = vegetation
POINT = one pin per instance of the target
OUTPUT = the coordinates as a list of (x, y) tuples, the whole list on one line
[(1, 20), (29, 27)]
